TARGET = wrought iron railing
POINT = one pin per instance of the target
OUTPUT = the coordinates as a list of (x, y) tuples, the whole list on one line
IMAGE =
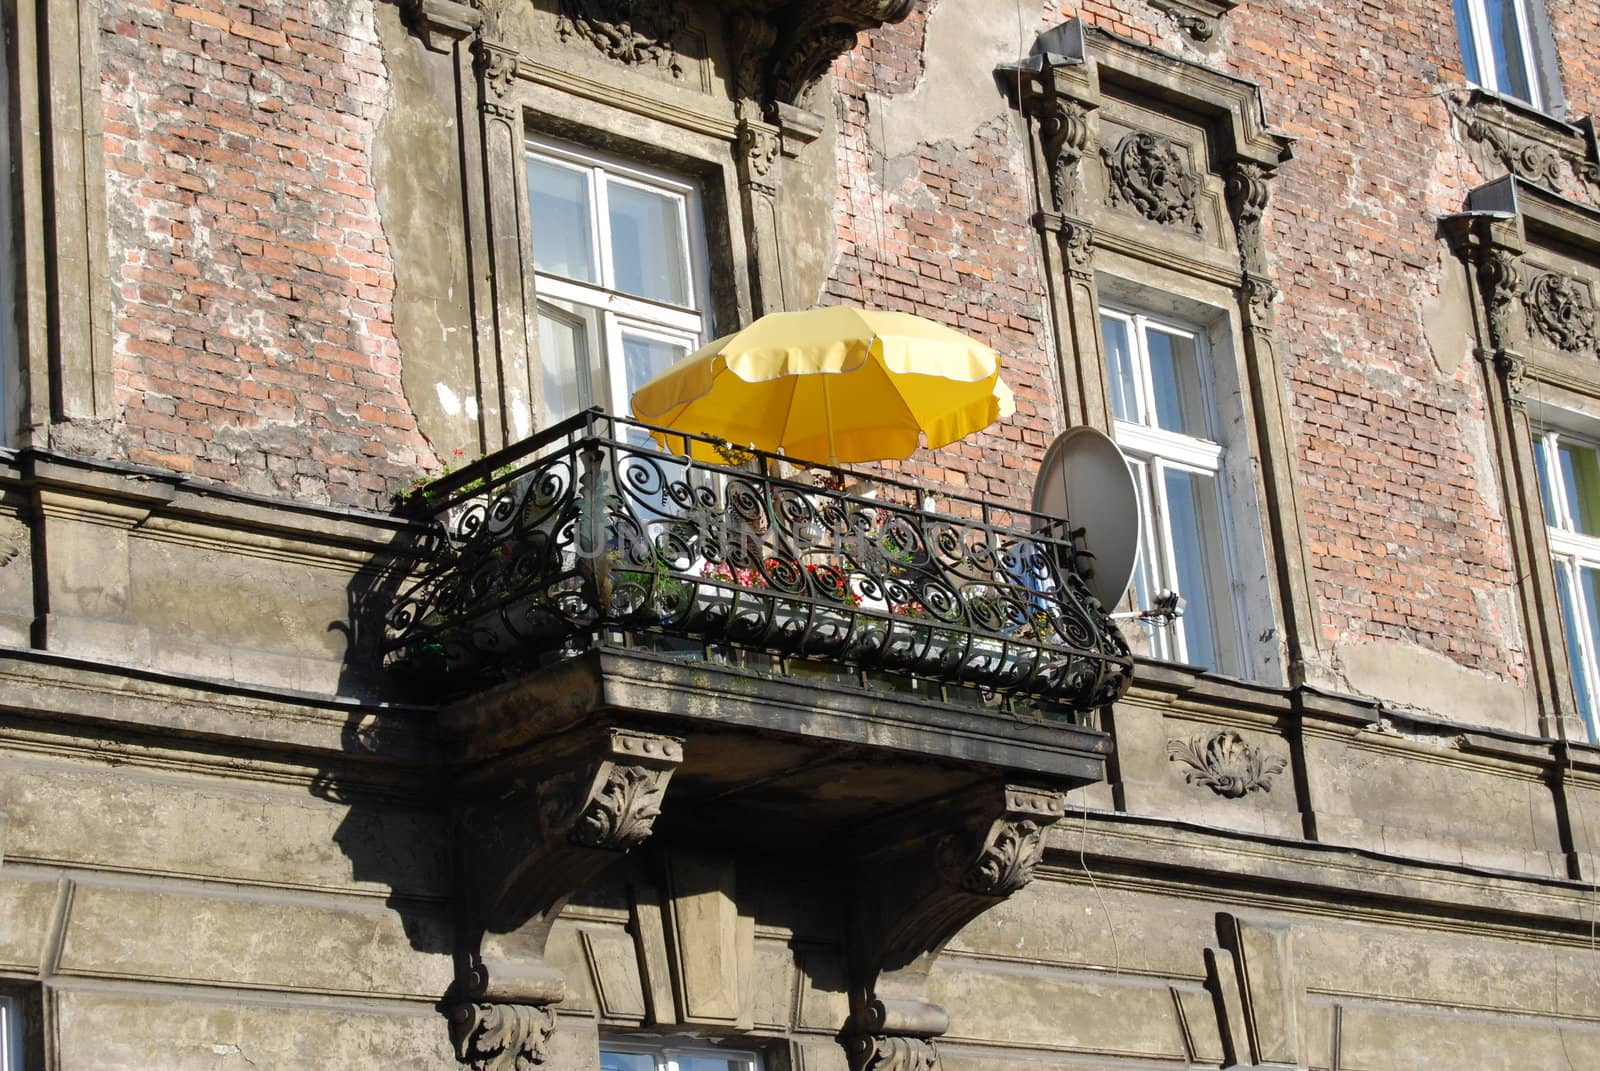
[(588, 532)]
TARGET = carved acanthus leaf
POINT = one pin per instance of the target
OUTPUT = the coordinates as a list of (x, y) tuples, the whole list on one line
[(1225, 763), (893, 1053), (633, 32), (622, 811), (1153, 175), (1259, 294), (810, 35), (759, 146), (1514, 370), (501, 1037), (497, 69), (1560, 309)]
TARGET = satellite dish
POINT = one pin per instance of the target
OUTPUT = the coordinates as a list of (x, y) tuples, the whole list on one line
[(1085, 482)]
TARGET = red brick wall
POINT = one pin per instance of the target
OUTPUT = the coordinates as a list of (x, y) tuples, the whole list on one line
[(253, 291), (1402, 517), (253, 324)]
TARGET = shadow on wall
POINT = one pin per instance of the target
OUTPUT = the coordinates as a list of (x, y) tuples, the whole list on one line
[(388, 776)]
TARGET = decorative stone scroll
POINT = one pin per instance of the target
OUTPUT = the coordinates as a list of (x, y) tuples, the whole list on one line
[(893, 1054), (501, 1037), (1225, 763), (1152, 175), (1064, 133)]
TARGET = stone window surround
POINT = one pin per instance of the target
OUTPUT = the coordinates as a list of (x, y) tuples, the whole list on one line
[(1511, 234), (737, 152), (1064, 97), (58, 309), (1538, 53)]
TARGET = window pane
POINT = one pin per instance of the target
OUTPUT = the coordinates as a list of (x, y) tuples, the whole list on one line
[(1580, 471), (626, 1061), (646, 357), (710, 1063), (1175, 383), (563, 352), (648, 257), (1505, 41), (1119, 366), (563, 243), (1469, 50), (1196, 533)]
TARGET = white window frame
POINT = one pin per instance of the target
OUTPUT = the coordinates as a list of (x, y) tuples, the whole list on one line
[(666, 1056), (1483, 47), (1152, 452), (1570, 551), (616, 313)]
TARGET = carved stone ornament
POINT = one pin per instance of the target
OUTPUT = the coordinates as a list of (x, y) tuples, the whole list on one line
[(1064, 134), (623, 810), (1011, 848), (1560, 309), (1225, 763), (1152, 175), (1259, 293), (1077, 249), (759, 146), (1247, 191), (1524, 159), (501, 1037), (894, 1053), (497, 71), (633, 32), (781, 47), (1514, 371)]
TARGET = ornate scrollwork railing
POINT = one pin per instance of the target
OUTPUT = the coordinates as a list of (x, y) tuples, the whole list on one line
[(582, 531)]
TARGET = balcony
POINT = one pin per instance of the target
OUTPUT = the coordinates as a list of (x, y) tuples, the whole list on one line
[(588, 536)]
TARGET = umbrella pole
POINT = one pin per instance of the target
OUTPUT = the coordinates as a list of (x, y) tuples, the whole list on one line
[(827, 420)]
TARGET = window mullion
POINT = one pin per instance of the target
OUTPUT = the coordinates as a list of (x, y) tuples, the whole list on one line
[(602, 226), (1141, 372), (1169, 556)]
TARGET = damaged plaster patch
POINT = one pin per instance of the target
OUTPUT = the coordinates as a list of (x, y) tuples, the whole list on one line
[(957, 96), (1409, 677), (1447, 317), (453, 404)]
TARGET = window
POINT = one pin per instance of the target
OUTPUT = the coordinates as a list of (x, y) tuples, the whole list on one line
[(673, 1058), (1165, 416), (619, 256), (11, 1032), (1501, 49), (1569, 485)]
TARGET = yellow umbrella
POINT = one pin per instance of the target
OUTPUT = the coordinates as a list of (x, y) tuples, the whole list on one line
[(836, 383)]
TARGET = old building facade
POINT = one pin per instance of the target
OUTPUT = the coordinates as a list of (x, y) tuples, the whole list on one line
[(369, 697)]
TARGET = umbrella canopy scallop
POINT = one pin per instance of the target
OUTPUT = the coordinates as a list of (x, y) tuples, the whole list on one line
[(838, 384)]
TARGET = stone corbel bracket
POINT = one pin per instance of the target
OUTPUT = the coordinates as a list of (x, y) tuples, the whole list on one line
[(1199, 19), (915, 889), (783, 46), (441, 23), (527, 837)]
